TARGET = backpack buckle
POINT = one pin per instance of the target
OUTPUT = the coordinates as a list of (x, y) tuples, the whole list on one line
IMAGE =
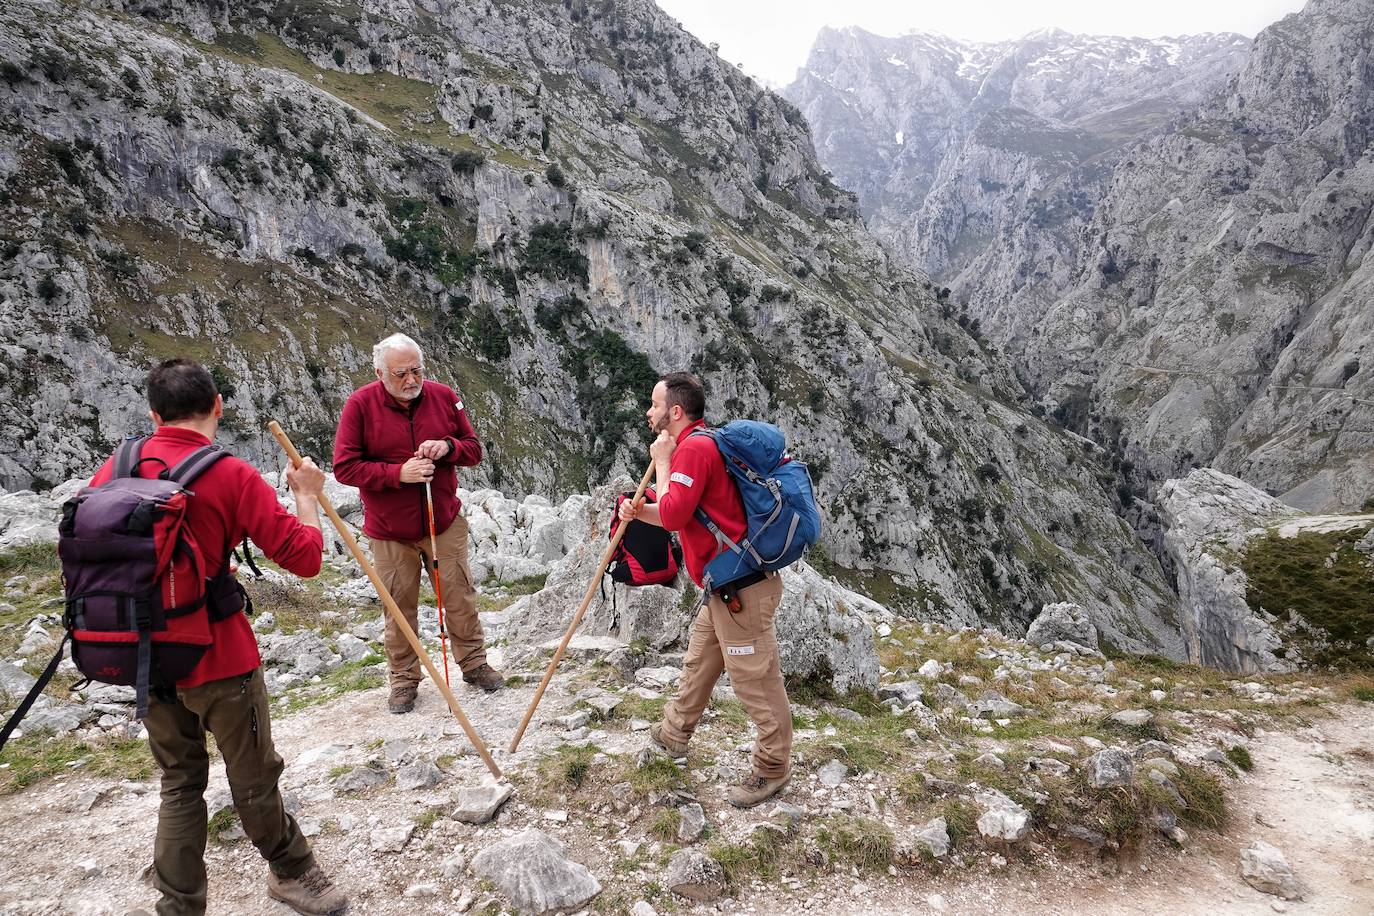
[(143, 614)]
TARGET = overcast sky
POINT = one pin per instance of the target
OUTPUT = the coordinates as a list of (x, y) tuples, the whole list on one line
[(771, 38)]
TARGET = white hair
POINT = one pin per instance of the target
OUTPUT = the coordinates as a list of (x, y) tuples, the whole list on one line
[(394, 342)]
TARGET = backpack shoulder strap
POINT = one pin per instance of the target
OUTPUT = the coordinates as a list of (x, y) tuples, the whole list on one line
[(195, 464), (38, 686), (126, 456)]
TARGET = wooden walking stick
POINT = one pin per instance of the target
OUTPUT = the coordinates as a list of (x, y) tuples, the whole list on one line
[(434, 577), (577, 618), (391, 607)]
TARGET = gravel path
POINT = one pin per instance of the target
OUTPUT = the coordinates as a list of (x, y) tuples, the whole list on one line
[(1311, 794)]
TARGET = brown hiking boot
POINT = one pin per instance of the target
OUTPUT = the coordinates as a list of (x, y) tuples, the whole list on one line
[(486, 677), (671, 748), (402, 699), (312, 893), (755, 789)]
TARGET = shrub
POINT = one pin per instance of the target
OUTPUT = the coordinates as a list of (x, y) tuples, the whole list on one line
[(771, 293), (223, 383), (54, 65), (551, 316), (465, 162), (695, 242), (65, 156), (489, 336), (615, 409), (551, 255), (555, 175)]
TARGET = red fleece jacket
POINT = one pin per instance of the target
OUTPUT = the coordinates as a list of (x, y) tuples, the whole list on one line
[(231, 500), (377, 434), (697, 477)]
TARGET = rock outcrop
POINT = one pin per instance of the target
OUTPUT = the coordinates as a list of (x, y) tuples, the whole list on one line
[(1208, 517), (1210, 520), (824, 629)]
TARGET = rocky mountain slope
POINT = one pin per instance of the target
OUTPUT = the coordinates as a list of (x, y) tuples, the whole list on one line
[(559, 201), (1194, 294), (948, 141)]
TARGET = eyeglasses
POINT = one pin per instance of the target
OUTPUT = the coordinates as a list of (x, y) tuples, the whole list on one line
[(399, 374)]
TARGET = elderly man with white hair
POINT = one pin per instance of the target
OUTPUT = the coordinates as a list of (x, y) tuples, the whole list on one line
[(397, 434)]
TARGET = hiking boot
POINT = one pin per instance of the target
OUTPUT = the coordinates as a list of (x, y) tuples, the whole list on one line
[(312, 893), (485, 676), (402, 699), (755, 789), (671, 748)]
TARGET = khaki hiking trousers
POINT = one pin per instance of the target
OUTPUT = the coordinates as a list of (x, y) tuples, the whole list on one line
[(746, 645), (398, 564), (234, 710)]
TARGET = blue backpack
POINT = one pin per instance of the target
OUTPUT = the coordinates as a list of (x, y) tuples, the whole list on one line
[(779, 507)]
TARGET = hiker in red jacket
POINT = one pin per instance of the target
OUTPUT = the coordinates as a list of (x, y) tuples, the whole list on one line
[(225, 694), (733, 632), (397, 434)]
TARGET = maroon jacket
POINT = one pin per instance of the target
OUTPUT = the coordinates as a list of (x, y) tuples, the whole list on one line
[(377, 434)]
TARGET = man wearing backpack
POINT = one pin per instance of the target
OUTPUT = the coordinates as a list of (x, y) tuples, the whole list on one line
[(225, 694), (734, 630), (396, 436)]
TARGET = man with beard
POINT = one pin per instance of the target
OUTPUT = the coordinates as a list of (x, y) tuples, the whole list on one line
[(396, 435), (734, 630)]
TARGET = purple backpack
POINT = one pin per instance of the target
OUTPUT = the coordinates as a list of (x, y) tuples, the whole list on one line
[(138, 604)]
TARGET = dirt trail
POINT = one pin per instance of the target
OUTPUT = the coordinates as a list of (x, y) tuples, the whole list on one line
[(1310, 794), (1313, 790)]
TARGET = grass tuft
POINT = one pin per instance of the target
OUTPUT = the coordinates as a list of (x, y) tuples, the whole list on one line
[(1240, 757), (568, 766), (35, 757), (666, 824), (759, 855), (857, 841)]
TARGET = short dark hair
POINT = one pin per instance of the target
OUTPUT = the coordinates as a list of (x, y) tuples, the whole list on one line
[(685, 390), (180, 389)]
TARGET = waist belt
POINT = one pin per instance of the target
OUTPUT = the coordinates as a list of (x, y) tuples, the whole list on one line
[(729, 593)]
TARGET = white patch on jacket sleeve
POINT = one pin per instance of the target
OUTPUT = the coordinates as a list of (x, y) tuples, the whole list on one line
[(679, 477), (458, 406), (739, 650)]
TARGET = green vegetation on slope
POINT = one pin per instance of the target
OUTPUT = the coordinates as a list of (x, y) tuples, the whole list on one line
[(1326, 581)]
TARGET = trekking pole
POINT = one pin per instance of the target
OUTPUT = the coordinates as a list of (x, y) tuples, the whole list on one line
[(390, 604), (434, 577), (577, 618)]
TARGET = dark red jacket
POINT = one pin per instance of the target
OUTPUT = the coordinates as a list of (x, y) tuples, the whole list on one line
[(377, 434), (697, 477), (231, 500)]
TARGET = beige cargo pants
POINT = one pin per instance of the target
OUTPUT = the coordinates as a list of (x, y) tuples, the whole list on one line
[(398, 565), (746, 645)]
